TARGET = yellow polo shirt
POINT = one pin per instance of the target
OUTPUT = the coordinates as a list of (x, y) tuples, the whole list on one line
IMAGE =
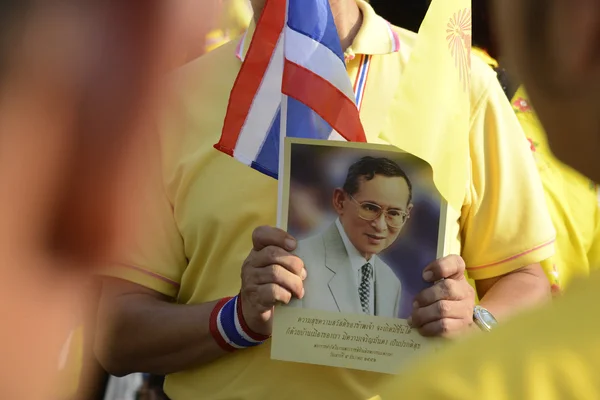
[(200, 214), (547, 354), (572, 201), (571, 198)]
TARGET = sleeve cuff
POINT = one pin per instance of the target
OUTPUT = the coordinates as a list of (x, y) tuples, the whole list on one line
[(534, 255), (142, 277)]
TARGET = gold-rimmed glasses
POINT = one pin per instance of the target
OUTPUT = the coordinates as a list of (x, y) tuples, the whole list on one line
[(369, 211)]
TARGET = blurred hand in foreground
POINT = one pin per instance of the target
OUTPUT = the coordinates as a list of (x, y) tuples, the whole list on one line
[(79, 85)]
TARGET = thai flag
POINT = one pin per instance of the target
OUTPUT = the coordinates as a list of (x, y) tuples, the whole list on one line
[(293, 82)]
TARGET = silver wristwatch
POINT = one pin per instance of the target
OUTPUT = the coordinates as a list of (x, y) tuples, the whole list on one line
[(484, 319)]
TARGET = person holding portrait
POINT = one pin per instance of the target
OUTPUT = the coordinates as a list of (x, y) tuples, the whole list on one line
[(210, 267)]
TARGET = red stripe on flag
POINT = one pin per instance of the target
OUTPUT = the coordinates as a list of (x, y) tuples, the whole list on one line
[(325, 99), (247, 83)]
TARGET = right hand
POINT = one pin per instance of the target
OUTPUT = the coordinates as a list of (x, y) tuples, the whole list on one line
[(270, 274)]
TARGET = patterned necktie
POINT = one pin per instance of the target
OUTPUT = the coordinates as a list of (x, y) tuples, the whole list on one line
[(364, 290)]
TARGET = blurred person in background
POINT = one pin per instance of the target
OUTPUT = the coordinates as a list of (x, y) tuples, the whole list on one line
[(200, 233), (552, 352), (78, 83), (222, 21), (572, 198), (234, 18), (409, 14)]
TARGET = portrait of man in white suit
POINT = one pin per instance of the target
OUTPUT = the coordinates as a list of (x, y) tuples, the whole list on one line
[(344, 272)]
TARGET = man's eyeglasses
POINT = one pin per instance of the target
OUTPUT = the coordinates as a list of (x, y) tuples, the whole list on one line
[(368, 211)]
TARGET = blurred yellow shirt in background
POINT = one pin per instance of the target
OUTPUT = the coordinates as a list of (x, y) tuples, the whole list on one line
[(547, 354), (235, 18), (572, 200)]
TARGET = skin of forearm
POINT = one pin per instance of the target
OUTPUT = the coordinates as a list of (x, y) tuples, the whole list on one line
[(140, 333), (515, 292)]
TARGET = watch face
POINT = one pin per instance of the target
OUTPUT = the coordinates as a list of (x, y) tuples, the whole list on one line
[(485, 317)]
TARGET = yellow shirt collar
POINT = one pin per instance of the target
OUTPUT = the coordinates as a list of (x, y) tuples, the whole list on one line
[(376, 35)]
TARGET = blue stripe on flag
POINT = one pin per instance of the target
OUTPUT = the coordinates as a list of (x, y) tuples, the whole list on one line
[(267, 160), (302, 122), (265, 171), (315, 20)]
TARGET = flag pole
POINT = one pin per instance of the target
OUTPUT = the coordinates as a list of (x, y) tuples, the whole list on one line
[(282, 135)]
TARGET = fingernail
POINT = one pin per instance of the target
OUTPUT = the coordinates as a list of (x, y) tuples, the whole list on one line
[(302, 293), (416, 304), (427, 275), (303, 274), (290, 244), (409, 321)]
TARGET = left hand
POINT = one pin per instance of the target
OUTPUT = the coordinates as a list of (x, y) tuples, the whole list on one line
[(446, 308)]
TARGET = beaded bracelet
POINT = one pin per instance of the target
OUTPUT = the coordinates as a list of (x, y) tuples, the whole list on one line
[(228, 327)]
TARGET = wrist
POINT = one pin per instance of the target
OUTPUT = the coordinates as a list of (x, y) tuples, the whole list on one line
[(229, 328), (253, 324), (484, 319)]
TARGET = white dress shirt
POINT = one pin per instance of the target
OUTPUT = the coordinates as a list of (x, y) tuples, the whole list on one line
[(357, 261)]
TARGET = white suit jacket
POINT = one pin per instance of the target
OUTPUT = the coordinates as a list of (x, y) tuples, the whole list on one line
[(330, 284)]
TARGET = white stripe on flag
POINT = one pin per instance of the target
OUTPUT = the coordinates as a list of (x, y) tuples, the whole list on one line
[(262, 111), (334, 135), (315, 57)]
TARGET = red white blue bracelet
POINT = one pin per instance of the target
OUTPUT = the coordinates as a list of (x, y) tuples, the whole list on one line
[(228, 327)]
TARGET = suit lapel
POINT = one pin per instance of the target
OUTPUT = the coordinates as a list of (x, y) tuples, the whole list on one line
[(342, 283), (386, 289)]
